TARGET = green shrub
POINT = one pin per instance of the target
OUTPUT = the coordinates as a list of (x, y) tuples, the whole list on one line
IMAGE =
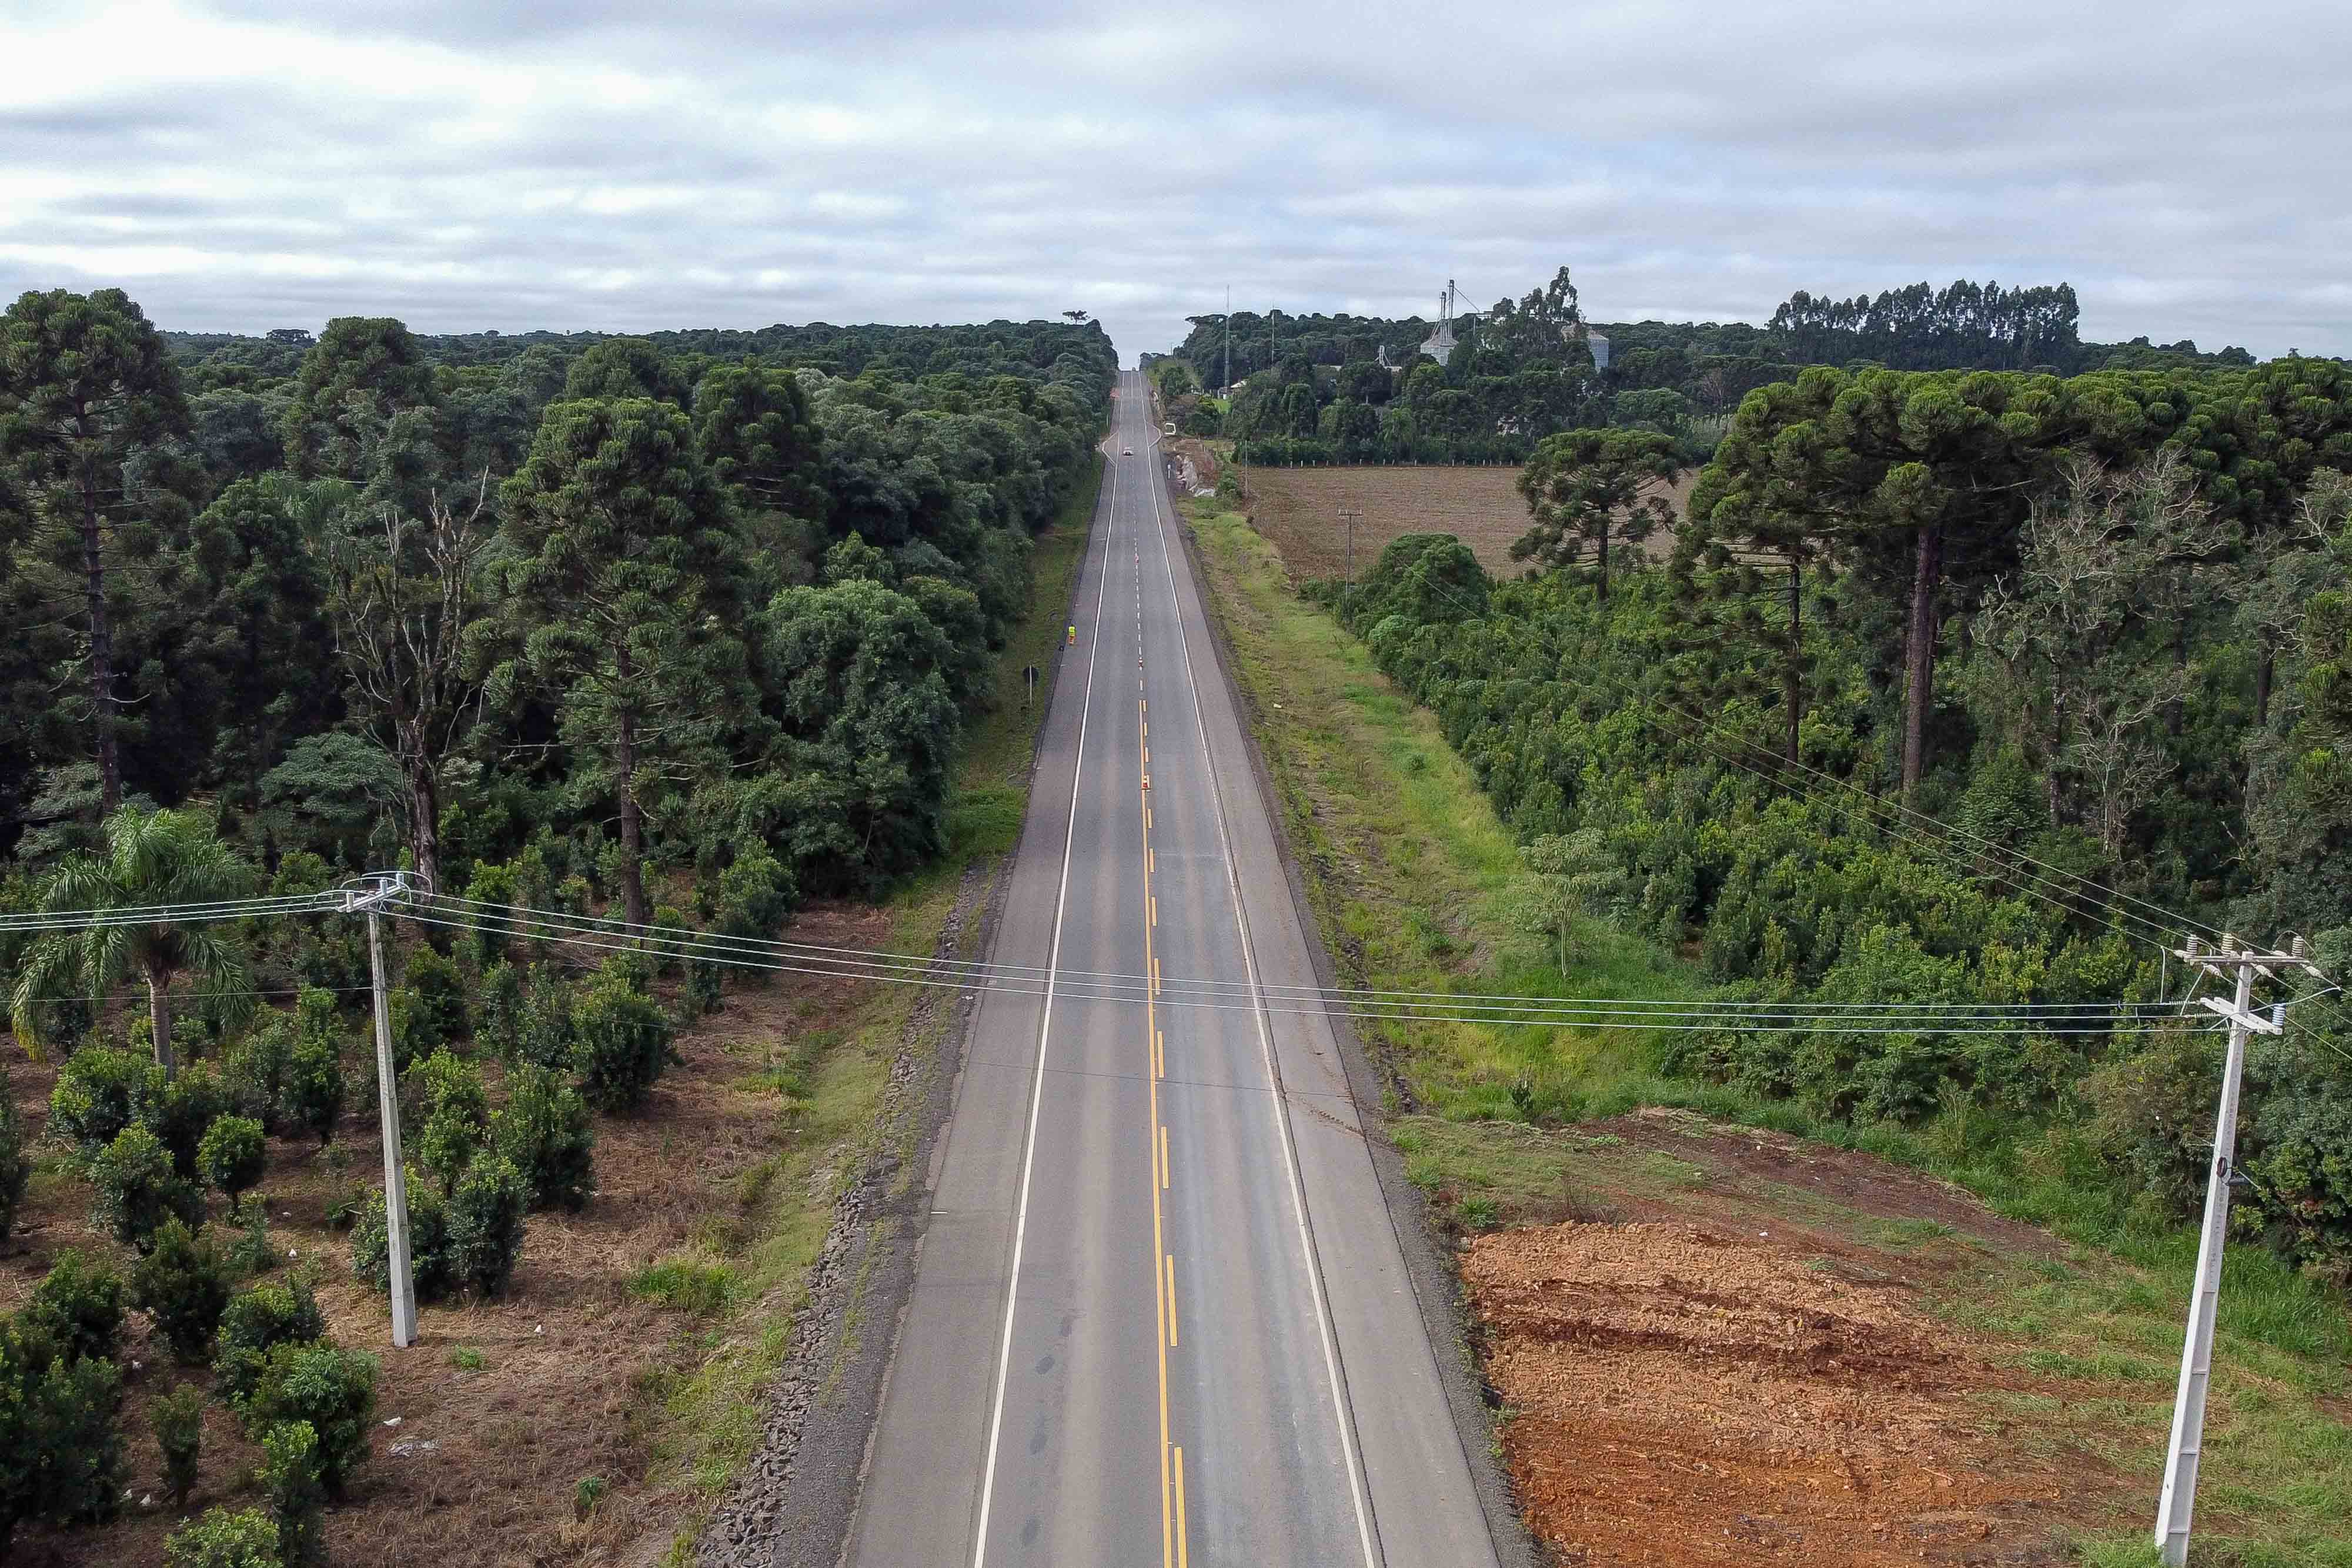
[(244, 1539), (184, 1284), (101, 1092), (545, 1130), (485, 1224), (2301, 1133), (672, 920), (456, 1115), (415, 1034), (190, 1102), (255, 1071), (623, 1044), (293, 1470), (706, 986), (61, 1459), (2153, 1118), (501, 1026), (490, 933), (15, 1164), (547, 1036), (439, 987), (310, 1096), (78, 1305), (755, 894), (253, 1252), (315, 1017), (233, 1156), (332, 1390), (257, 1322), (138, 1191), (179, 1418), (428, 1242)]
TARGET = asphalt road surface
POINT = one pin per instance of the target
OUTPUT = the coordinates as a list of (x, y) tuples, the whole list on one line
[(1160, 1314)]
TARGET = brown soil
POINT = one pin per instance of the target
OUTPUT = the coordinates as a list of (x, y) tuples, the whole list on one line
[(482, 1466), (1681, 1394), (1299, 509)]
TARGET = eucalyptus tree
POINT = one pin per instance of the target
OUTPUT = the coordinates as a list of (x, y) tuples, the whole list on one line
[(155, 863)]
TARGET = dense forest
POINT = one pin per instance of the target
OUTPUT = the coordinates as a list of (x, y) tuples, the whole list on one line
[(1957, 688), (682, 629), (1352, 389)]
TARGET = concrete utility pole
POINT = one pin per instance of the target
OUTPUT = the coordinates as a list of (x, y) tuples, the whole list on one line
[(1227, 388), (1347, 518), (387, 1082), (2237, 965)]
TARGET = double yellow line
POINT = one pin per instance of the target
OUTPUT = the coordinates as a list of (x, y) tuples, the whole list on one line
[(1173, 1550)]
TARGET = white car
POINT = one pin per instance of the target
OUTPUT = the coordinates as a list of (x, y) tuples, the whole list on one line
[(1127, 451)]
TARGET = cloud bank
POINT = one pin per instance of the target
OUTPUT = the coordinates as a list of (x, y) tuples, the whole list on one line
[(240, 166)]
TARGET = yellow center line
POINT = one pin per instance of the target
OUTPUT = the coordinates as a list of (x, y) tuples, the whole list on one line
[(1171, 1297), (1163, 1156), (1162, 1305), (1182, 1560)]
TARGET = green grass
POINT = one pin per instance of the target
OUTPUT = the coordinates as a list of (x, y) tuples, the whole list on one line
[(705, 1289), (829, 1085), (1409, 871)]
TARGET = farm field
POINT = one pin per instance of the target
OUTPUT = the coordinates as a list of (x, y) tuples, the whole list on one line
[(1299, 511)]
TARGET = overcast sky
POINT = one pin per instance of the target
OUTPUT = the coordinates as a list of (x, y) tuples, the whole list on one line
[(622, 164)]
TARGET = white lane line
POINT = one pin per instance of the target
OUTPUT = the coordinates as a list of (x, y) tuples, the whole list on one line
[(1356, 1483), (1045, 1028)]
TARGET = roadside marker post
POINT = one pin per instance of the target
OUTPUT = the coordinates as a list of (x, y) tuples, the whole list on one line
[(2179, 1499), (396, 1180)]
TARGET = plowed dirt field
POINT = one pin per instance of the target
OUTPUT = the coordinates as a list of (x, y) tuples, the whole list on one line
[(1300, 510), (1743, 1351)]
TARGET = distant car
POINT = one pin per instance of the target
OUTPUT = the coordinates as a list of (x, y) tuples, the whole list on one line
[(1127, 451)]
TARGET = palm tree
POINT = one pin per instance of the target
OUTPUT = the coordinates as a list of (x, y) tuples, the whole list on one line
[(154, 860)]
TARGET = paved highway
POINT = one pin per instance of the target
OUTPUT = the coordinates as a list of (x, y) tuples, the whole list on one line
[(1160, 1313)]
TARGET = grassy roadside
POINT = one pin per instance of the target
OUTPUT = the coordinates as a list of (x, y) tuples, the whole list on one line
[(1410, 875), (705, 1414)]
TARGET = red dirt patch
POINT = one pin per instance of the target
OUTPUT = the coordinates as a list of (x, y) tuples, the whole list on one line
[(1683, 1397)]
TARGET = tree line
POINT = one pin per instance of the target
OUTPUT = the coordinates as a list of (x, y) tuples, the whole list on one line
[(1346, 389), (593, 591), (2092, 631)]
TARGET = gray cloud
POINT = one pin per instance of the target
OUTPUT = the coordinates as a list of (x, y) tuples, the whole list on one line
[(614, 165)]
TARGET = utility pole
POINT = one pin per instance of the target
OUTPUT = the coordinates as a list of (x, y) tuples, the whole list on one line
[(1347, 518), (2237, 965), (387, 1083), (1227, 390)]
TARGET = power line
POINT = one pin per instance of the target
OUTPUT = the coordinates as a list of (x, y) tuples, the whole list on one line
[(522, 919), (1135, 990)]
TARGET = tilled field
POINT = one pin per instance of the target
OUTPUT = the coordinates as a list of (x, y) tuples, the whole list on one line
[(1683, 1395), (1300, 510)]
